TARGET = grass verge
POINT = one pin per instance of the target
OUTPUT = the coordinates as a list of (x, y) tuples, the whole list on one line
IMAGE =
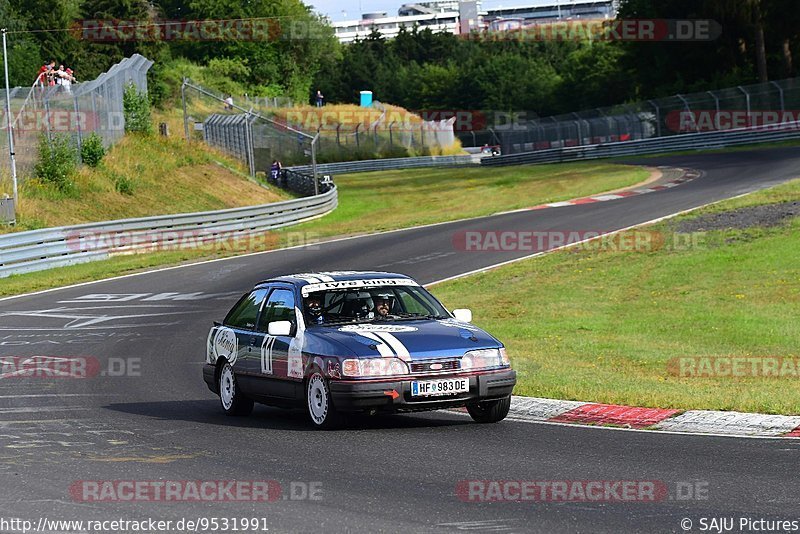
[(380, 201), (597, 324)]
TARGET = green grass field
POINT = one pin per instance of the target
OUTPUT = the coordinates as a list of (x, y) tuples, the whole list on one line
[(382, 201), (602, 325)]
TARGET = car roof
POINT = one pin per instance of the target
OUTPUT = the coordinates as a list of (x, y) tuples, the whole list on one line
[(303, 279)]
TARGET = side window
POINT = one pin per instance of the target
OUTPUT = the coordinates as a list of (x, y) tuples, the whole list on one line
[(279, 307), (244, 314)]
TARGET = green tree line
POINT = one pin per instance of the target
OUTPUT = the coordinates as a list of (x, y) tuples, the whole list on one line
[(511, 71), (419, 69), (280, 60)]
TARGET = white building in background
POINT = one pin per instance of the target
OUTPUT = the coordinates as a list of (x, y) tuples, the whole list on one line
[(462, 17)]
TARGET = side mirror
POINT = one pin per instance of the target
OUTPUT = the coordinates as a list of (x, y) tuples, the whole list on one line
[(280, 328), (463, 314)]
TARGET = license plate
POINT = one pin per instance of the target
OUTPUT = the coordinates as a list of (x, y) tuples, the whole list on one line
[(448, 386)]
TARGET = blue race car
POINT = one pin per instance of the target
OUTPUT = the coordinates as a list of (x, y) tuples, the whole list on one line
[(349, 341)]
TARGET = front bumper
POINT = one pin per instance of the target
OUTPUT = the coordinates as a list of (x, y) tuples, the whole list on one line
[(355, 395)]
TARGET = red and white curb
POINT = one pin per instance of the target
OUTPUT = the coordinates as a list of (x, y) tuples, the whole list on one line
[(531, 409), (686, 176)]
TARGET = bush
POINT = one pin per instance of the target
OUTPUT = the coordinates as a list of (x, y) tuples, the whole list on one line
[(136, 109), (122, 183), (57, 162), (92, 150)]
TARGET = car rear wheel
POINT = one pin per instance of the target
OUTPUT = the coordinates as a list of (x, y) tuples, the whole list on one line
[(490, 411), (233, 401), (318, 402)]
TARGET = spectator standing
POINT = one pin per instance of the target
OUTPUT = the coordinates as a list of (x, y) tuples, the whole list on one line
[(320, 99), (67, 80), (274, 171)]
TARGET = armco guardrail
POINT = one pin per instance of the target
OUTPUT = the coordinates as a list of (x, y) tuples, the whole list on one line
[(53, 247), (368, 165), (695, 141)]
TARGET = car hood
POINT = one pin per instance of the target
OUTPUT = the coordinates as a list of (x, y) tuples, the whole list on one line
[(420, 339)]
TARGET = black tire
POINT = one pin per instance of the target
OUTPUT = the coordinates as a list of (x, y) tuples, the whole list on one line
[(319, 405), (232, 400), (490, 411)]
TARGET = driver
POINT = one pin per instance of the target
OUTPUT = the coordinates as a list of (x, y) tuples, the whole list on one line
[(383, 305), (314, 308)]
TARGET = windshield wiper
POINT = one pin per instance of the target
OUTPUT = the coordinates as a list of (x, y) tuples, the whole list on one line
[(419, 316)]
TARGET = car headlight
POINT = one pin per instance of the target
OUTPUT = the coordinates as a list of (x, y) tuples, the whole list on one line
[(484, 359), (374, 367)]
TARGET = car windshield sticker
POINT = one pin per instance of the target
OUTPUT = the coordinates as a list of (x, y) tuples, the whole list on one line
[(458, 324), (348, 284), (391, 328)]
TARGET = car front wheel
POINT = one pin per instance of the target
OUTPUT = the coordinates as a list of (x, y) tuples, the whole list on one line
[(319, 405), (490, 411), (233, 401)]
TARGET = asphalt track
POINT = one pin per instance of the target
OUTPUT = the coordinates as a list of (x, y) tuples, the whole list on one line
[(159, 422)]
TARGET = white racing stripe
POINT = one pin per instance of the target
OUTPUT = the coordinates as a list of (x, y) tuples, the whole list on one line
[(311, 279), (396, 344), (382, 347)]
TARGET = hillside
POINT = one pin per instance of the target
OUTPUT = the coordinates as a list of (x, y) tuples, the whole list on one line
[(143, 176)]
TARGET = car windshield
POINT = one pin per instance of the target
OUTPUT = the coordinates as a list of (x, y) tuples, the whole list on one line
[(396, 303)]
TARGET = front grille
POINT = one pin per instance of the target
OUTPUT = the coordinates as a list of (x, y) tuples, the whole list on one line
[(425, 367)]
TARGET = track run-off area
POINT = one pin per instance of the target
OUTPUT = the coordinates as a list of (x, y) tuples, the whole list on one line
[(78, 449)]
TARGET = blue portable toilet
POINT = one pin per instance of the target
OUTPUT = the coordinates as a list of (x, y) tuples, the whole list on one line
[(366, 99)]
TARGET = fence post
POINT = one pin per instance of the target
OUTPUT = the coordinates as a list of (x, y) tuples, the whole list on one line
[(658, 117), (314, 163), (249, 145), (747, 99), (185, 116), (357, 142), (780, 93), (391, 140), (9, 123), (689, 109), (78, 126)]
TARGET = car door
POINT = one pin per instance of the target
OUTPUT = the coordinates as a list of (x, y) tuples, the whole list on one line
[(242, 321), (273, 354)]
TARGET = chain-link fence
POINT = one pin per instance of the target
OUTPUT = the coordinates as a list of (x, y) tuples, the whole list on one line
[(244, 133), (768, 104), (348, 133), (72, 111), (278, 132)]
